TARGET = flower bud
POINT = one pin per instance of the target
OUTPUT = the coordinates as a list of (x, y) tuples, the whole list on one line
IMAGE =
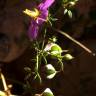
[(53, 49), (47, 92), (68, 57), (50, 70)]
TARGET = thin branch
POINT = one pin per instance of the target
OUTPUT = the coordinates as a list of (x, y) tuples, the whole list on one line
[(6, 89), (4, 82), (75, 41)]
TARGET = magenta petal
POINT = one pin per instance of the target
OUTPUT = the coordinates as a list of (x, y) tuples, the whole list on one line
[(43, 17), (45, 4), (44, 14), (33, 30), (36, 23)]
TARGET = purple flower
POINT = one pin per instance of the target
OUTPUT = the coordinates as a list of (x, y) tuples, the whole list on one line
[(39, 16)]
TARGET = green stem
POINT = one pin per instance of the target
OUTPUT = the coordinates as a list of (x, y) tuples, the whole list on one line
[(44, 39), (61, 63), (44, 58), (37, 68), (37, 61)]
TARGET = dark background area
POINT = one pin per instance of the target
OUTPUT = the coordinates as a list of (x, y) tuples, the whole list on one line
[(79, 77)]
